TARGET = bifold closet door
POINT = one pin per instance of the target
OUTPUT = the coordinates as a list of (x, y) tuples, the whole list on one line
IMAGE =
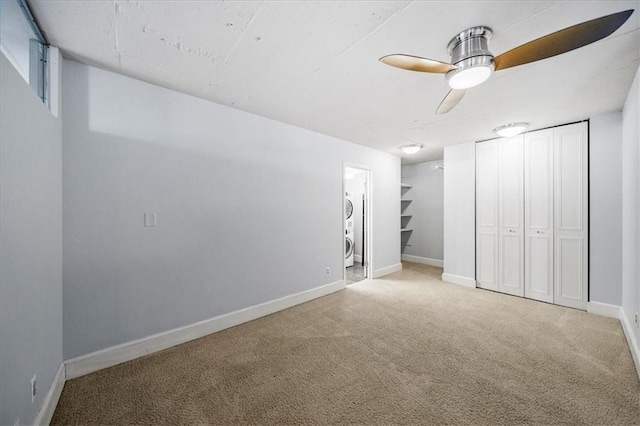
[(487, 215), (538, 216), (510, 215), (570, 215)]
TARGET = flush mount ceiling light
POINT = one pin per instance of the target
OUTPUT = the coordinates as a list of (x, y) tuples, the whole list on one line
[(411, 149), (512, 129)]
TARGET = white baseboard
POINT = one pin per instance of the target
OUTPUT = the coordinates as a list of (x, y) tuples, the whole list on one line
[(378, 273), (114, 355), (457, 279), (627, 327), (51, 400), (357, 257), (603, 309), (423, 260)]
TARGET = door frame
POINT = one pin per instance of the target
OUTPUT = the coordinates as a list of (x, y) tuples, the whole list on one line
[(368, 232)]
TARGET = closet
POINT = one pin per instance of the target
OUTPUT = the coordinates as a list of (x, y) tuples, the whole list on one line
[(532, 215)]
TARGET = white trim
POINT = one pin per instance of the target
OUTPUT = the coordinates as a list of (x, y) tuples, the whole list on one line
[(357, 257), (54, 80), (368, 233), (118, 354), (423, 260), (50, 402), (459, 280), (603, 309), (631, 340), (378, 273), (344, 225)]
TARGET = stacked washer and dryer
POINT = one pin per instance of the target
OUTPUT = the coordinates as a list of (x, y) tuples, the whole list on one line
[(348, 217)]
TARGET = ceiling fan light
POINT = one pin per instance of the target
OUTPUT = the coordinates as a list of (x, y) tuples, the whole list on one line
[(512, 129), (468, 77), (411, 149)]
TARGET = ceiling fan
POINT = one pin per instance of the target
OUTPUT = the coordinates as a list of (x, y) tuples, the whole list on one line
[(472, 63)]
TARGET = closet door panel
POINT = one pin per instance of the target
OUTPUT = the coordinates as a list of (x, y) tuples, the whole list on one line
[(487, 215), (539, 268), (511, 264), (570, 254), (571, 215), (487, 184), (570, 182), (487, 250), (538, 188), (510, 215)]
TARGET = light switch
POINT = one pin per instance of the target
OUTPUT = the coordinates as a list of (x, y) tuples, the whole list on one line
[(149, 220)]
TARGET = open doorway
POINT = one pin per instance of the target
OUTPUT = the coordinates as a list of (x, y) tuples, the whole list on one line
[(357, 224)]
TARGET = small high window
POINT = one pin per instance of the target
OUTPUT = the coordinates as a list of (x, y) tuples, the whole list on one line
[(23, 44)]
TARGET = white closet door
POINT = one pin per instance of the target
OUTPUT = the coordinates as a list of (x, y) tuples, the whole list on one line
[(571, 215), (487, 215), (510, 216), (538, 215)]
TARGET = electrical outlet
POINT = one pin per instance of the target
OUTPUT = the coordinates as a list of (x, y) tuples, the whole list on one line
[(34, 388), (328, 271), (637, 324)]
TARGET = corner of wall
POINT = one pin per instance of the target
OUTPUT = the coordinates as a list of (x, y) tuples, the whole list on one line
[(48, 408), (457, 279), (632, 340), (459, 211), (379, 273), (31, 187), (630, 209)]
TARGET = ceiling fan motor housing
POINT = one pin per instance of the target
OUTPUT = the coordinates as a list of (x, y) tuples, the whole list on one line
[(470, 49)]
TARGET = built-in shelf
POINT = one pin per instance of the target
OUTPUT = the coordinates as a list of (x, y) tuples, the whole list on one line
[(404, 232)]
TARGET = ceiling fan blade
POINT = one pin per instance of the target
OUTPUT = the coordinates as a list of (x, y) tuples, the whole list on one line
[(416, 63), (562, 41), (450, 101)]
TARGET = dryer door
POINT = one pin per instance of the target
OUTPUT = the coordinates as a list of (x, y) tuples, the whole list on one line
[(348, 244), (348, 209)]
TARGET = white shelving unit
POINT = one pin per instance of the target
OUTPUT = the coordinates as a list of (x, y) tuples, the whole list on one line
[(405, 218)]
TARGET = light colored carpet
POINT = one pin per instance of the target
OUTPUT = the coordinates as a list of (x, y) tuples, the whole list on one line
[(404, 349)]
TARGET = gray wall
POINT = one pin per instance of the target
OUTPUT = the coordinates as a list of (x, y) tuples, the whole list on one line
[(30, 247), (248, 209), (630, 205), (427, 210), (605, 210), (460, 210)]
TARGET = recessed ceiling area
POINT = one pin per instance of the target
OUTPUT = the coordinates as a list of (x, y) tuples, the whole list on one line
[(315, 64)]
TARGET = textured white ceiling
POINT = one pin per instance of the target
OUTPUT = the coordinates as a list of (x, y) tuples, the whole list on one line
[(315, 64)]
